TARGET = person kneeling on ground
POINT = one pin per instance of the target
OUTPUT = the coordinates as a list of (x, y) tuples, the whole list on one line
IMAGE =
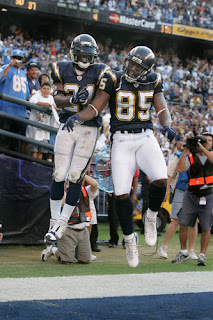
[(75, 243)]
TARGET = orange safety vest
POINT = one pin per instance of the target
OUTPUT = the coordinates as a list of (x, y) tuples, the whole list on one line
[(82, 211), (199, 174)]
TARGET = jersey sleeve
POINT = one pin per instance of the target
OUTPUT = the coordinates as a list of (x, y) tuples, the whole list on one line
[(158, 86), (108, 81), (56, 72)]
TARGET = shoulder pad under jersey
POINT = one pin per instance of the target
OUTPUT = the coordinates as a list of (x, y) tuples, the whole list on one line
[(58, 68)]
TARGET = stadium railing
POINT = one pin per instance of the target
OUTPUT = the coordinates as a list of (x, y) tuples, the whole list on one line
[(101, 199), (23, 138)]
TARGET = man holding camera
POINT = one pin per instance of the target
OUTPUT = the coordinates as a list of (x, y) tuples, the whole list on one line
[(198, 198)]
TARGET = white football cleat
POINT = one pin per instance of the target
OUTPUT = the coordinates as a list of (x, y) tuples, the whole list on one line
[(150, 230), (132, 255), (56, 232), (46, 253), (93, 258), (162, 252), (192, 255)]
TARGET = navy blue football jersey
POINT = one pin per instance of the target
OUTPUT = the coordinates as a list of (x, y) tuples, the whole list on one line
[(130, 103), (64, 72)]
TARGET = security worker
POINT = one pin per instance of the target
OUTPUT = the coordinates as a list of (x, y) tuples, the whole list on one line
[(198, 198)]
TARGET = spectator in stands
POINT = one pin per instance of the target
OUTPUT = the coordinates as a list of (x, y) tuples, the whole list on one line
[(32, 77), (42, 98), (43, 77), (13, 82)]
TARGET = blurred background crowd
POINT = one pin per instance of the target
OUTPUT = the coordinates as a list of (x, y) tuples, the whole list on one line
[(188, 83), (188, 78), (193, 13)]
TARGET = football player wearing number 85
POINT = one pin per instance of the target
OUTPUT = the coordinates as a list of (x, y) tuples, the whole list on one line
[(131, 94), (13, 82), (75, 85)]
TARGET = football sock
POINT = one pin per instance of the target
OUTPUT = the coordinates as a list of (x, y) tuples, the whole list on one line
[(55, 208), (66, 212), (151, 214), (124, 211)]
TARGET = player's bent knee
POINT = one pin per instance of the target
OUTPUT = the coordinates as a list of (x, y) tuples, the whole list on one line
[(156, 194), (57, 190), (59, 175)]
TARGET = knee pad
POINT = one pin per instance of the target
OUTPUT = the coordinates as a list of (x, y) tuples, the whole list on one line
[(57, 190), (156, 196), (73, 193), (124, 211)]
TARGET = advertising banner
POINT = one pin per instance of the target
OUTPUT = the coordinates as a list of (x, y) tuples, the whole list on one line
[(192, 32), (132, 21)]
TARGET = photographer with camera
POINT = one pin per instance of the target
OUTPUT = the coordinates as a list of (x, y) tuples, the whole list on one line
[(198, 198), (176, 186)]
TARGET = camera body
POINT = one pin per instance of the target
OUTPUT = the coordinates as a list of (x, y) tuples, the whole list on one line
[(191, 143)]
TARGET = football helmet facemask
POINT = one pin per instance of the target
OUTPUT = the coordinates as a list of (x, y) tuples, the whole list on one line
[(83, 51), (138, 63)]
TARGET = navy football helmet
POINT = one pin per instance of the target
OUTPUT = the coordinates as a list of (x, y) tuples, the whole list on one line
[(138, 63), (83, 51)]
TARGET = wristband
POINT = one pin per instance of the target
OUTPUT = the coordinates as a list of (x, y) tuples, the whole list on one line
[(94, 108)]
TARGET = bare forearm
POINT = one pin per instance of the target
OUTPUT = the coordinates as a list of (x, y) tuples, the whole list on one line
[(87, 114), (95, 107), (165, 118), (62, 101), (92, 182), (206, 152), (162, 110), (182, 161), (6, 70)]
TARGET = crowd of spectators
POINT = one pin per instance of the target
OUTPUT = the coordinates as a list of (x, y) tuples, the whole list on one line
[(188, 83), (189, 12)]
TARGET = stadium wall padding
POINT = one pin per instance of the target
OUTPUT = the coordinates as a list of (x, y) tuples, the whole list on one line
[(24, 200)]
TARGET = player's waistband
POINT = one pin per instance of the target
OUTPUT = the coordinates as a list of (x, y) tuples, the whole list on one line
[(137, 130)]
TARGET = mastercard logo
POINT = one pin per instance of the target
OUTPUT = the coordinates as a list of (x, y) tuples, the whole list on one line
[(113, 17)]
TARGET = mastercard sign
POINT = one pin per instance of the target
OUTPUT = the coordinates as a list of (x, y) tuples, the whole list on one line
[(114, 17)]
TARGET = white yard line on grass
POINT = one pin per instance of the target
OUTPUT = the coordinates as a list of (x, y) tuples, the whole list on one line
[(104, 286)]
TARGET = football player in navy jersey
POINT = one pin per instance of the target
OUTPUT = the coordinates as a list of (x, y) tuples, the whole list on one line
[(75, 85), (131, 94)]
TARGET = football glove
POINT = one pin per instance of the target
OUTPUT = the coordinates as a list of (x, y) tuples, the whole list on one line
[(71, 122), (171, 133), (81, 96)]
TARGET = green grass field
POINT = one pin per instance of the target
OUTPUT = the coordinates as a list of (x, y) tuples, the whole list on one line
[(24, 261)]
